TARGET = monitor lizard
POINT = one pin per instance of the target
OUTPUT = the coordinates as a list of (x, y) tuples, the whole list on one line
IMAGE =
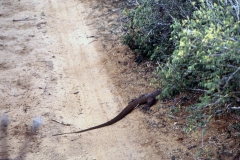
[(147, 99)]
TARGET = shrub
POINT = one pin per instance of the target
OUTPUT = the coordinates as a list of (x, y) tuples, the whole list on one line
[(147, 29), (206, 59)]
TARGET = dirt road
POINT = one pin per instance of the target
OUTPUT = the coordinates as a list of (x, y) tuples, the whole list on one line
[(50, 69)]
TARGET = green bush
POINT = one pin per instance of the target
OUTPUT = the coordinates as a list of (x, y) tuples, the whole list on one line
[(206, 59), (147, 29)]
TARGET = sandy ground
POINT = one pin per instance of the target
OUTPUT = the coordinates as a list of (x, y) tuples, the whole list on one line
[(56, 72), (52, 73)]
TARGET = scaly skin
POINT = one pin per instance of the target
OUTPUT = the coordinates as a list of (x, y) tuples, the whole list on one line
[(147, 99)]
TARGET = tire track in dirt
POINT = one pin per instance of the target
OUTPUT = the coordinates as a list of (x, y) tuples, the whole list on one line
[(96, 100)]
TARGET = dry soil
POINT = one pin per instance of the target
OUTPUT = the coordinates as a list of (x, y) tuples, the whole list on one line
[(56, 75)]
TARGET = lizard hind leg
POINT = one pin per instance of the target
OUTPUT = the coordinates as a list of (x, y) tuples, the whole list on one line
[(151, 101)]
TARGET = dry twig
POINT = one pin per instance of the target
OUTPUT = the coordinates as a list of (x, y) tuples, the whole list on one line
[(61, 122)]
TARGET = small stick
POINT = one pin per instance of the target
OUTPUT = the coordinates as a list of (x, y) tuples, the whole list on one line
[(23, 19), (61, 122), (92, 41), (171, 116)]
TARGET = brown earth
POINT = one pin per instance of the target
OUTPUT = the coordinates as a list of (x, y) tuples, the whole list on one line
[(61, 67)]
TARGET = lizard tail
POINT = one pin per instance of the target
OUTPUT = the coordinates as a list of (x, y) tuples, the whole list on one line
[(112, 121), (92, 128)]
